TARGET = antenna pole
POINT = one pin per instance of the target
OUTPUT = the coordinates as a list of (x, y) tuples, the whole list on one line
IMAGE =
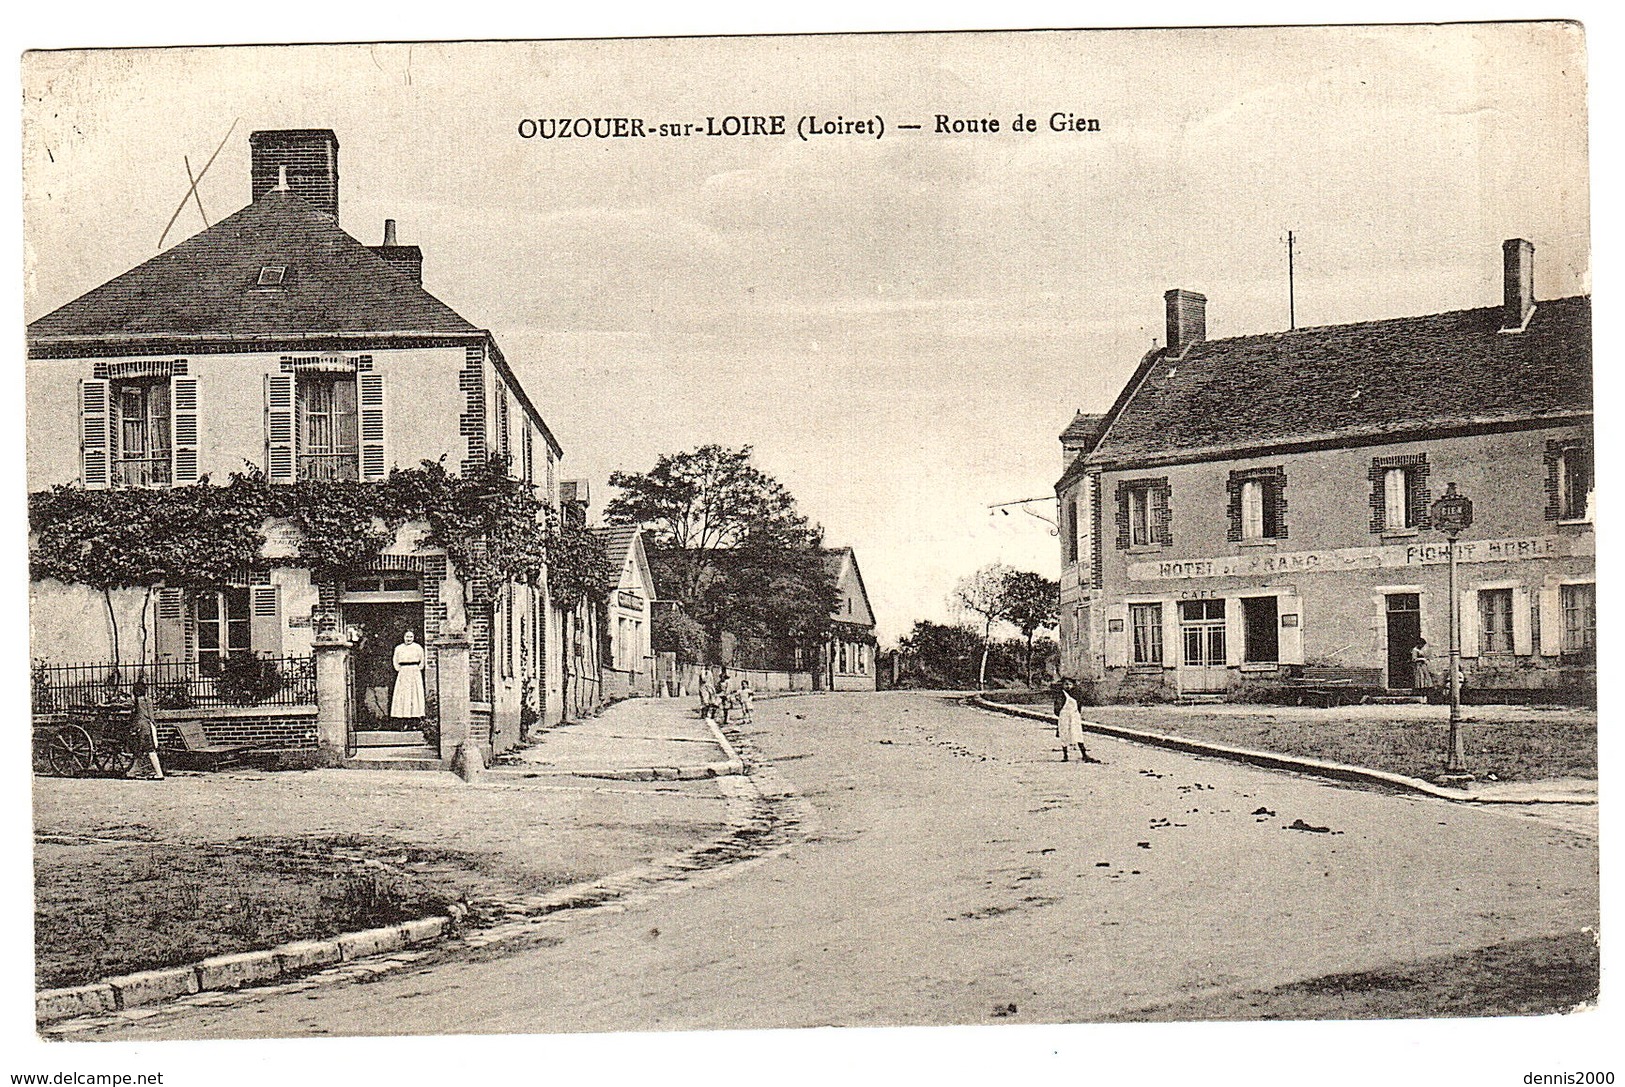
[(1291, 287)]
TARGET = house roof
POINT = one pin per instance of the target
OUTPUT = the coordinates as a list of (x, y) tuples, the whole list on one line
[(1082, 430), (1361, 380), (207, 287), (617, 541)]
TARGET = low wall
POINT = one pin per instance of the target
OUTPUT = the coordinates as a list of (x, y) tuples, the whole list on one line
[(269, 728)]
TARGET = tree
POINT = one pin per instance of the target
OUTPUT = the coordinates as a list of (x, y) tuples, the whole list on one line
[(740, 556), (982, 594), (939, 655), (1030, 602)]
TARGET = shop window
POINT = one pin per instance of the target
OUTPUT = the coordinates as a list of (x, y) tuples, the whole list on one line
[(1146, 621), (1495, 621)]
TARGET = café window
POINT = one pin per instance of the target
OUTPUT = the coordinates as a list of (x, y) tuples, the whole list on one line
[(1146, 621)]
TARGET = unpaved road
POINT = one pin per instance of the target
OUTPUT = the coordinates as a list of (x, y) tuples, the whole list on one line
[(961, 869)]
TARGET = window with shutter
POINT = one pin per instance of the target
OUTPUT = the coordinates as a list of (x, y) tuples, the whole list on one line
[(265, 619), (327, 433), (1257, 504)]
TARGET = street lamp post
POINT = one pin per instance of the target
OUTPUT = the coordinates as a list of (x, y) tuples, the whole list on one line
[(1453, 514)]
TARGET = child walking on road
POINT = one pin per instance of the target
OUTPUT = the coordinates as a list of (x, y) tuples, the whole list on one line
[(1069, 724)]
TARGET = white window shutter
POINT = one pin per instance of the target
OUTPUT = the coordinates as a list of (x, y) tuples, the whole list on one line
[(1395, 499), (183, 433), (1235, 633), (1290, 645), (265, 619), (171, 625), (1117, 640), (1172, 648), (371, 395), (95, 434), (1469, 623), (1551, 620), (1523, 642), (279, 438)]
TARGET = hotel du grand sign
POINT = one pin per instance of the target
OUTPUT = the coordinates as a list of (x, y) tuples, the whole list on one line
[(1515, 549)]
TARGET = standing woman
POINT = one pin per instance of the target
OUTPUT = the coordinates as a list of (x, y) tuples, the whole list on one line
[(1421, 670), (1069, 725), (407, 701)]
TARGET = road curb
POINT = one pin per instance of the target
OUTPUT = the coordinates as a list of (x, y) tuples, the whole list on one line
[(1272, 761), (223, 973)]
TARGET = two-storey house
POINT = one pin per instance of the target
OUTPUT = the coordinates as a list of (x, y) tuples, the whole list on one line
[(275, 341), (1255, 507)]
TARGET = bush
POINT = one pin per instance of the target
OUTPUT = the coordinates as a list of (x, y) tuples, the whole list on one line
[(247, 680)]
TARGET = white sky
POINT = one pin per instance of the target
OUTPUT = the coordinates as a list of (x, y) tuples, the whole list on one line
[(900, 327)]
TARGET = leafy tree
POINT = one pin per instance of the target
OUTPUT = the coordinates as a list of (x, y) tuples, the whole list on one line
[(940, 655), (982, 594), (1030, 602), (740, 556)]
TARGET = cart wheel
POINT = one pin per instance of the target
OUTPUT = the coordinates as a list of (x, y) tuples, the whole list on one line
[(72, 751), (115, 761)]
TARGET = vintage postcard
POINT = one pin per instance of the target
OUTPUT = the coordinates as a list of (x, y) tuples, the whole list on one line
[(1052, 527)]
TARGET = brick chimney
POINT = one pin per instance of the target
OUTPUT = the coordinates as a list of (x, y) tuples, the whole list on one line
[(1517, 283), (1187, 320), (407, 259), (307, 157)]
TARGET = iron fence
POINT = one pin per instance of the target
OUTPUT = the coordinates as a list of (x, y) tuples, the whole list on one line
[(238, 681)]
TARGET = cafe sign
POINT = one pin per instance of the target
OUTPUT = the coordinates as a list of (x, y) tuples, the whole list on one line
[(1421, 553)]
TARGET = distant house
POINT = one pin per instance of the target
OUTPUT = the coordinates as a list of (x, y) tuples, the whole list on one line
[(275, 339), (851, 649), (844, 661), (1259, 508), (628, 659)]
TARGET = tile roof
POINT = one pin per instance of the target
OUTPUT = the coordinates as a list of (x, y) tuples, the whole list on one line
[(617, 541), (206, 286), (1082, 430), (1368, 378)]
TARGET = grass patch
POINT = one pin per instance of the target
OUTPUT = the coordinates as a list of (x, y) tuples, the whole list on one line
[(1540, 976), (1528, 750), (105, 907)]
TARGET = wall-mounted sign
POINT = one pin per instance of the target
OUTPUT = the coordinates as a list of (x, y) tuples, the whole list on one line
[(1429, 553), (1290, 619), (628, 600)]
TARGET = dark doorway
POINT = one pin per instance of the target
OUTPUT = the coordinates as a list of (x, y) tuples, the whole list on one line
[(380, 627), (1404, 633), (1262, 625)]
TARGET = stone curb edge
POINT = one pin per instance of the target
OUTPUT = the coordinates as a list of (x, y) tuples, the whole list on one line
[(1270, 760), (241, 969)]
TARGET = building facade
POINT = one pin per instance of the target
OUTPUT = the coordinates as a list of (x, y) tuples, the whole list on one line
[(628, 656), (273, 341), (851, 649), (1257, 510)]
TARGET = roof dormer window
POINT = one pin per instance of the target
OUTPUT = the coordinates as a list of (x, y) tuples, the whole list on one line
[(272, 275)]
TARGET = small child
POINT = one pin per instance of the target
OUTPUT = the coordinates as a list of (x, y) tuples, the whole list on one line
[(746, 698)]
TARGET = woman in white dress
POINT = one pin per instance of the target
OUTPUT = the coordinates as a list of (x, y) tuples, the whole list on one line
[(1069, 726), (407, 701)]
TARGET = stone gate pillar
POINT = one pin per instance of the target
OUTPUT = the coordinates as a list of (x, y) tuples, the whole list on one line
[(456, 716), (332, 653)]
